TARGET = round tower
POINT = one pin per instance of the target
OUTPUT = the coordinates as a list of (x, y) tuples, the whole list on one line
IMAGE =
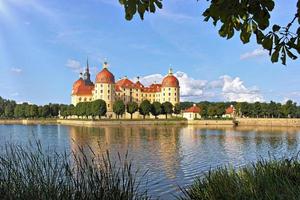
[(105, 87), (170, 89)]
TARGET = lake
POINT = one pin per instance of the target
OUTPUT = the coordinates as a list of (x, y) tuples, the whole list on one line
[(173, 155)]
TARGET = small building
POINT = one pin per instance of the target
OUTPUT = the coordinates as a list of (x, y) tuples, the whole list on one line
[(229, 112), (192, 113)]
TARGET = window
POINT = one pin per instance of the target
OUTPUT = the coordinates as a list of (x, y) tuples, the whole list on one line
[(108, 105), (84, 99), (108, 97), (175, 94), (100, 85), (108, 91), (169, 89), (101, 91), (137, 95), (163, 94), (164, 99), (80, 99), (169, 94)]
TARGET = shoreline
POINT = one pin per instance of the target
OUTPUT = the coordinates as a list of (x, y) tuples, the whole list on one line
[(240, 122)]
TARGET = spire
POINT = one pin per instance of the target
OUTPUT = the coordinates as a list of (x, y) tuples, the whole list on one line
[(170, 71), (87, 65), (105, 64)]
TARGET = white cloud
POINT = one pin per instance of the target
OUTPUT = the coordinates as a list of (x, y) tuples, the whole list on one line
[(225, 88), (16, 70), (254, 54), (234, 90), (74, 65)]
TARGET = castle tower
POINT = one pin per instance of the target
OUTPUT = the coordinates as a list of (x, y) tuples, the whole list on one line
[(105, 87), (170, 89)]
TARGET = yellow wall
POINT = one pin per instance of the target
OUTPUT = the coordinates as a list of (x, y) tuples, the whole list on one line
[(105, 92)]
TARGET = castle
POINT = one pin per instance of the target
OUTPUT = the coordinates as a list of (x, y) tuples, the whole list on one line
[(105, 88)]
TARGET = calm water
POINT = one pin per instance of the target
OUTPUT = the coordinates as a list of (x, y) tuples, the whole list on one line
[(174, 156)]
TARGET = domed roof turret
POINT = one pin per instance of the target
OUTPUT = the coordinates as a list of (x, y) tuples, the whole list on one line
[(81, 88), (170, 80), (105, 76)]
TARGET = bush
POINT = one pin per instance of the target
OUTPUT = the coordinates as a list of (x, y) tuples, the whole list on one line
[(30, 173), (272, 179)]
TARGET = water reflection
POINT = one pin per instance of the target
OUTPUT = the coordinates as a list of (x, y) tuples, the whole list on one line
[(174, 155)]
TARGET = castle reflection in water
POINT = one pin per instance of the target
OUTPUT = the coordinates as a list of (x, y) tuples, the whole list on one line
[(182, 150)]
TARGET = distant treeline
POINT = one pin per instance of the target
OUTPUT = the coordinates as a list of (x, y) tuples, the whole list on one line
[(245, 109), (10, 109)]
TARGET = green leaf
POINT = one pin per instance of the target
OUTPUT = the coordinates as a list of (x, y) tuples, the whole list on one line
[(276, 28), (275, 55), (290, 54), (283, 55)]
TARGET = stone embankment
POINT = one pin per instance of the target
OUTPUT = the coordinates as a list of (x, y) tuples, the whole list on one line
[(241, 122)]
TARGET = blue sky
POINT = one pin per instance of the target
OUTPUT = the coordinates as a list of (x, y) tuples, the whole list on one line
[(43, 45)]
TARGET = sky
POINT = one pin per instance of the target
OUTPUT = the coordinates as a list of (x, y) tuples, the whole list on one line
[(44, 44)]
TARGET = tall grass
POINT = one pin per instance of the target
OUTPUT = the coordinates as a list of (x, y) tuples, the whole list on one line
[(266, 179), (31, 173)]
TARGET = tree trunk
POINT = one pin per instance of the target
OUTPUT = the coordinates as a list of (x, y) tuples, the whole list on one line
[(144, 116), (166, 116), (131, 116)]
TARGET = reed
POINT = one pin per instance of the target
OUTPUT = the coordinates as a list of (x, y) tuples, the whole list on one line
[(32, 173), (266, 179)]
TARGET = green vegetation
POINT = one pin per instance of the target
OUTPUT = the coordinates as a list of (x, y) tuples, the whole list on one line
[(31, 173), (131, 108), (167, 109), (145, 108), (247, 18), (209, 110), (272, 179), (119, 108), (156, 109), (244, 109)]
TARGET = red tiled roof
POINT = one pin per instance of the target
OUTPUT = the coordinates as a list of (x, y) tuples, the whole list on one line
[(82, 89), (193, 109), (229, 110), (170, 81), (105, 76), (125, 83)]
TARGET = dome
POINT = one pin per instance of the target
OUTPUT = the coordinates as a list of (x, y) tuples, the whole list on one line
[(80, 88), (170, 81), (105, 76)]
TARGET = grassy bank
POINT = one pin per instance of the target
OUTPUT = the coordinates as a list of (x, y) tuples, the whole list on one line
[(30, 173), (273, 179)]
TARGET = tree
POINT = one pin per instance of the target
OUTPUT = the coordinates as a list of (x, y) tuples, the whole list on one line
[(156, 109), (54, 109), (34, 111), (64, 111), (44, 111), (212, 111), (131, 108), (9, 110), (19, 111), (145, 108), (80, 109), (99, 108), (289, 109), (204, 110), (167, 108), (119, 108), (177, 109), (248, 18)]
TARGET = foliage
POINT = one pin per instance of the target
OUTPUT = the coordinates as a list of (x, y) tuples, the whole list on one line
[(131, 108), (33, 173), (99, 108), (267, 179), (167, 108), (145, 108), (248, 18), (177, 109), (156, 109), (119, 108)]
